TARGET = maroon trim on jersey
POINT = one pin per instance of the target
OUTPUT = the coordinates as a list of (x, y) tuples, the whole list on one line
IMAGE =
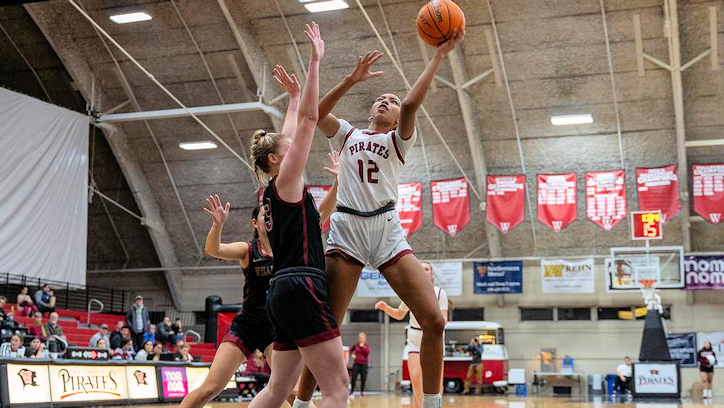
[(347, 136), (397, 149), (320, 305), (318, 338), (261, 250), (284, 346), (235, 340), (395, 259), (344, 255), (410, 352), (305, 238), (281, 200)]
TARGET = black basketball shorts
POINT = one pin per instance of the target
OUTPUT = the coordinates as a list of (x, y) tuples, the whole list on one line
[(298, 307), (249, 332)]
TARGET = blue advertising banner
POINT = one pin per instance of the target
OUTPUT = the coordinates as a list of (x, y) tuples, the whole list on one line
[(682, 347), (492, 278)]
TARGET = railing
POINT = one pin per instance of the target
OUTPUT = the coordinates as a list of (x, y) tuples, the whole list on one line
[(67, 296), (194, 334), (90, 307)]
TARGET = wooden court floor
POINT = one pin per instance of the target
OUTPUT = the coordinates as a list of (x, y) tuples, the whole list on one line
[(392, 400)]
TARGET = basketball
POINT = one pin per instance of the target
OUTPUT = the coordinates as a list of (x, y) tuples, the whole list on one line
[(712, 360), (438, 19)]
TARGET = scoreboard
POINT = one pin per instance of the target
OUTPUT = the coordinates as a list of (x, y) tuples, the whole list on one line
[(646, 225)]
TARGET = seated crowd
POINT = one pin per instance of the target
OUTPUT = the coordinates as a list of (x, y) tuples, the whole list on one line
[(133, 339)]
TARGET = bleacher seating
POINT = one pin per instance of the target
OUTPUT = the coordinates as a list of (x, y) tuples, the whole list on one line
[(77, 331)]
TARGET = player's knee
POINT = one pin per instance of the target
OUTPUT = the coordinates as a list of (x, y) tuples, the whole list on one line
[(434, 325)]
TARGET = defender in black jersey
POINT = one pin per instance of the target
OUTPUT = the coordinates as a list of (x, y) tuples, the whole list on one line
[(251, 329), (297, 299), (306, 330)]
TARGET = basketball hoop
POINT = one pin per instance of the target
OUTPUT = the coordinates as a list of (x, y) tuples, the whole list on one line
[(651, 298)]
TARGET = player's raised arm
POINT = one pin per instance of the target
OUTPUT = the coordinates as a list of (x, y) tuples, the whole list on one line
[(290, 84), (417, 93), (290, 183)]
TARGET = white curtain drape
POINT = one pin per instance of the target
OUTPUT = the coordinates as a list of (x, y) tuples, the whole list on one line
[(43, 189)]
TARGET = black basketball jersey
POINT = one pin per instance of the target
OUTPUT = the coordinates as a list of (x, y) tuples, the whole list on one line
[(256, 280), (293, 230)]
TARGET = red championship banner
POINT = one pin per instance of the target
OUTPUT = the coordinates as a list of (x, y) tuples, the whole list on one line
[(319, 192), (409, 206), (709, 191), (450, 205), (505, 201), (557, 200), (658, 189), (606, 197)]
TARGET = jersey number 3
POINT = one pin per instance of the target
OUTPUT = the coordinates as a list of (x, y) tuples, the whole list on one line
[(371, 170)]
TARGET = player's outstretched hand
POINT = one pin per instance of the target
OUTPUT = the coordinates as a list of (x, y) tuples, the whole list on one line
[(380, 305), (286, 81), (334, 158), (218, 212), (315, 40), (449, 45), (362, 71)]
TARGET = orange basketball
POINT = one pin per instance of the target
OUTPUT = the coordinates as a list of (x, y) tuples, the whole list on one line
[(437, 20)]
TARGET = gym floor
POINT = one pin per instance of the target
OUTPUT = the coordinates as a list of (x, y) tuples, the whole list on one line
[(392, 400)]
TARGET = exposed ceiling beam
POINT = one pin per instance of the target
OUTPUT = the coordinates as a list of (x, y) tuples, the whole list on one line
[(473, 131), (197, 110), (254, 57), (45, 17)]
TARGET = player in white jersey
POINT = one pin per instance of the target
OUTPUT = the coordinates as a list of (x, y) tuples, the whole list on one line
[(414, 332), (366, 229)]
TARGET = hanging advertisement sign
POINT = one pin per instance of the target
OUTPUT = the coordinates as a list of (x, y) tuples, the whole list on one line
[(494, 278), (449, 276), (704, 272), (561, 276)]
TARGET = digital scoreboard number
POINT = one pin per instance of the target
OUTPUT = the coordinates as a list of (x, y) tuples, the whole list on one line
[(646, 225)]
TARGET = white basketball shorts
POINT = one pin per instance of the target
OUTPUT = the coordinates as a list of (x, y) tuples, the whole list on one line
[(378, 241)]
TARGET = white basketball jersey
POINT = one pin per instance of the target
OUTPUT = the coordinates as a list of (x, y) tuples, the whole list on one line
[(369, 166)]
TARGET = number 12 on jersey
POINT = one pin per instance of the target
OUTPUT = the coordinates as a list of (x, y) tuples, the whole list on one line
[(371, 170)]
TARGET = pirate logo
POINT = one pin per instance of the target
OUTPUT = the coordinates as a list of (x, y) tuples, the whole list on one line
[(140, 377), (28, 377)]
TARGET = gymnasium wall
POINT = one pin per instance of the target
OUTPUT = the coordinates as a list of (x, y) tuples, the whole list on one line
[(597, 346)]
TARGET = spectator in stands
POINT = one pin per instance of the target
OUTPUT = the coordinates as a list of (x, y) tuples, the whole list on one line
[(38, 328), (184, 354), (178, 329), (125, 352), (116, 341), (52, 327), (102, 334), (45, 299), (258, 367), (102, 344), (137, 320), (13, 348), (3, 316), (156, 353), (150, 335), (116, 334), (36, 349), (179, 343), (26, 307), (164, 331), (146, 352)]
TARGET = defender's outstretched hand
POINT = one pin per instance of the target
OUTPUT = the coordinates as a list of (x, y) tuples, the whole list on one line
[(288, 82), (315, 39), (334, 158), (218, 212)]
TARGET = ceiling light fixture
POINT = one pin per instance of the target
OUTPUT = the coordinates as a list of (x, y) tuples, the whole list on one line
[(322, 6), (564, 120), (198, 145), (134, 17)]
